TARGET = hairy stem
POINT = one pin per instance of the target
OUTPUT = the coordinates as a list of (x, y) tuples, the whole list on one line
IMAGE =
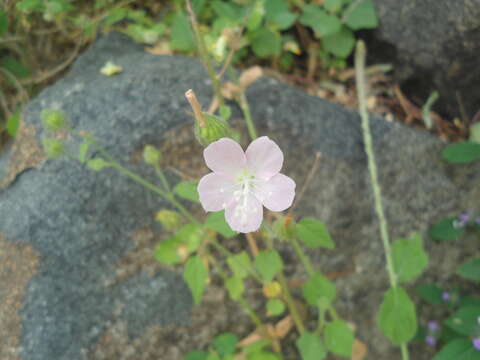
[(360, 55), (202, 49)]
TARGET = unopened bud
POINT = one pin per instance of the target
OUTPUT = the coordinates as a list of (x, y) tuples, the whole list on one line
[(208, 127), (53, 120), (272, 290), (183, 252), (151, 155), (284, 228), (54, 148), (169, 219), (215, 128)]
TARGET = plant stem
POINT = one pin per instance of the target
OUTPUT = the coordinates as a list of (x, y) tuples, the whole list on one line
[(166, 195), (302, 256), (162, 178), (202, 49), (227, 253), (292, 307), (360, 55), (243, 102), (372, 167)]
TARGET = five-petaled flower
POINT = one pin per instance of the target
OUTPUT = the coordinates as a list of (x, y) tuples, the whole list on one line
[(241, 182)]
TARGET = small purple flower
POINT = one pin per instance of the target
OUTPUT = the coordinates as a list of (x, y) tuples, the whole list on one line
[(462, 220), (446, 296), (476, 343), (430, 340), (477, 221), (433, 326)]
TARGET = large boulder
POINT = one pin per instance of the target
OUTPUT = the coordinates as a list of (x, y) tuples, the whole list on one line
[(76, 270), (436, 47)]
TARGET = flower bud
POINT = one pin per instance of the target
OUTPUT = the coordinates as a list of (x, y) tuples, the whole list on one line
[(284, 228), (53, 120), (214, 129), (151, 155), (54, 148), (169, 219), (208, 128), (272, 290)]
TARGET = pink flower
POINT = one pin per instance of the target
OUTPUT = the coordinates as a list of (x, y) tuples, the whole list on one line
[(241, 182)]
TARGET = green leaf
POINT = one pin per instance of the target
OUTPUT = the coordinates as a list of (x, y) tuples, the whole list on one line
[(266, 43), (339, 338), (462, 152), (97, 164), (263, 355), (317, 287), (190, 235), (268, 263), (469, 301), (277, 13), (340, 43), (13, 123), (397, 318), (409, 258), (256, 16), (216, 221), (470, 269), (458, 349), (181, 34), (235, 287), (444, 229), (213, 356), (225, 344), (166, 251), (333, 6), (196, 355), (15, 67), (362, 15), (83, 151), (465, 320), (187, 190), (320, 21), (310, 347), (275, 307), (240, 264), (196, 275), (430, 293), (228, 10), (256, 346), (314, 233), (115, 15), (3, 23), (29, 5), (225, 112)]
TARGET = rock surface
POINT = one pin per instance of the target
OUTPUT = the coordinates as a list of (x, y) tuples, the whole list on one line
[(75, 246), (436, 48)]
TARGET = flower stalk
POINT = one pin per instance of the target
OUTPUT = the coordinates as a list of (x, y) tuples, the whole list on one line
[(360, 55)]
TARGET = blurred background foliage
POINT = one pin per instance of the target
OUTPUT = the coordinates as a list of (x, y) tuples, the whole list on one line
[(39, 39)]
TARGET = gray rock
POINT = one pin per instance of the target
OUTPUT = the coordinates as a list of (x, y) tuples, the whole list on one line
[(75, 246), (436, 48)]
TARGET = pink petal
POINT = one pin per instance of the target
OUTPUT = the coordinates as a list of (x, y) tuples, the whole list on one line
[(244, 215), (277, 193), (264, 157), (215, 192), (225, 157)]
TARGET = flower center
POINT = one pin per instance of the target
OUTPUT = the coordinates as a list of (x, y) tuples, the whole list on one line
[(246, 185)]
